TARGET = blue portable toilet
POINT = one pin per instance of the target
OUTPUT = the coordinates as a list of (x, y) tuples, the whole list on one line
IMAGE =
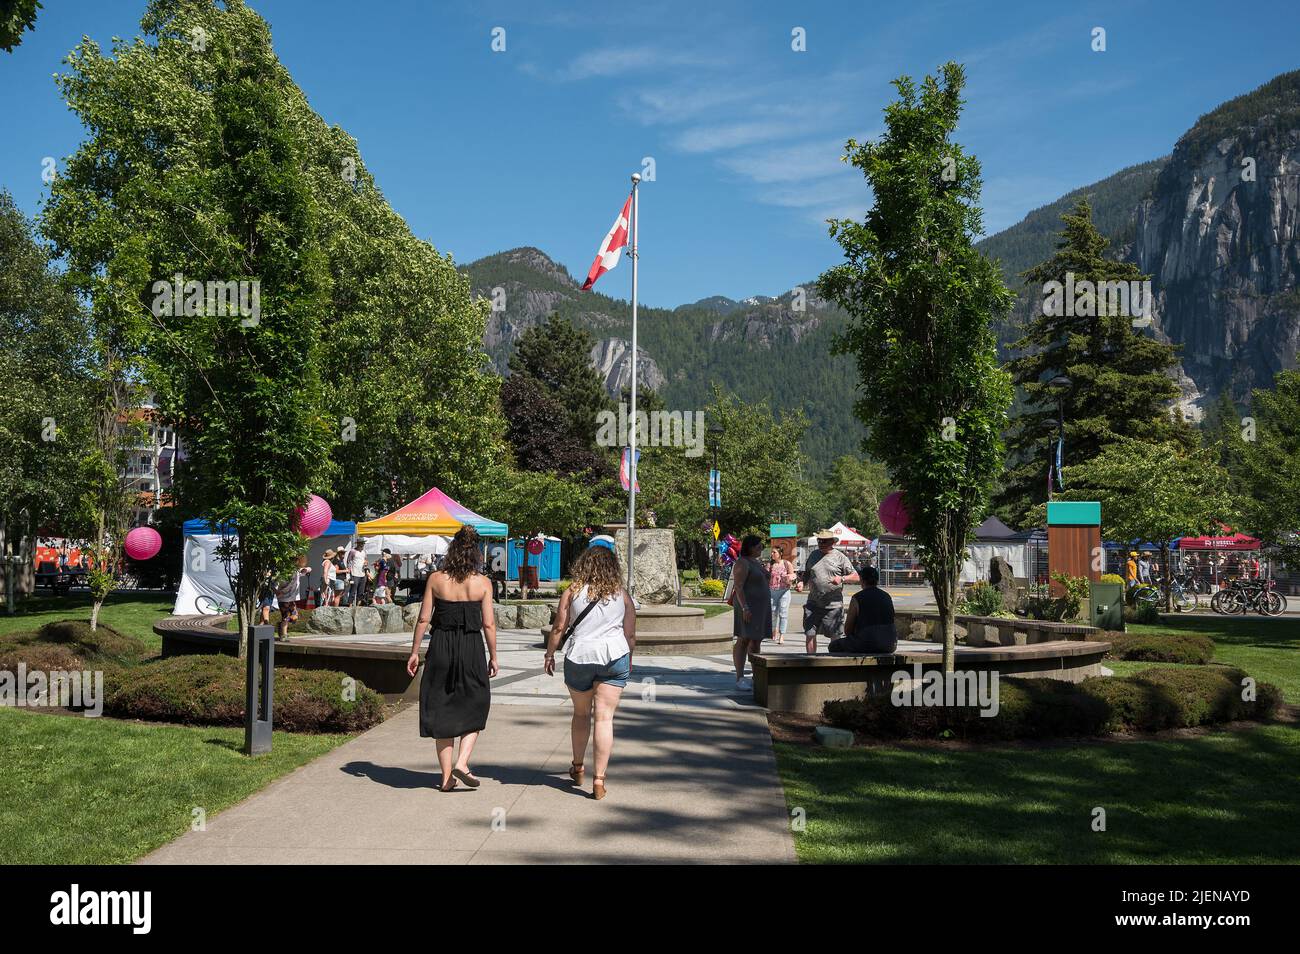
[(547, 562)]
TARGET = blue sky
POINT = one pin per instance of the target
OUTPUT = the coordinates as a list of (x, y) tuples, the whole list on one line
[(483, 151)]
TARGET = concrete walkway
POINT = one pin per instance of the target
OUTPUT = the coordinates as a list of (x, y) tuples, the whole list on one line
[(692, 779)]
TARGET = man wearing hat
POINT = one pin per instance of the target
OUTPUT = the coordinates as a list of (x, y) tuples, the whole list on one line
[(824, 575)]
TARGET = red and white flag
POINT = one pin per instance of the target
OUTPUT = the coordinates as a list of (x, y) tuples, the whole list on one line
[(611, 250)]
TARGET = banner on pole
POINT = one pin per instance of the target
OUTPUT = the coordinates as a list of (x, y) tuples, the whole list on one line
[(715, 488), (625, 472)]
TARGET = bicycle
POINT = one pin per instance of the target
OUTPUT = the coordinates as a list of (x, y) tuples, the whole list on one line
[(1183, 597), (210, 606)]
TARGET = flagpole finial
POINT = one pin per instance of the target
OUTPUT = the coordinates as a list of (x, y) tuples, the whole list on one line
[(636, 177)]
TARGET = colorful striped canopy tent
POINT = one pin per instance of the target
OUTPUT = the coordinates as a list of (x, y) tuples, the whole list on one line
[(431, 513)]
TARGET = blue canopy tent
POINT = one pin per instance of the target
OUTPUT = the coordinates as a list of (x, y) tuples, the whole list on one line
[(204, 581)]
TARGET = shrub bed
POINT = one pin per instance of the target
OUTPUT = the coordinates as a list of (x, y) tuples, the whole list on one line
[(43, 657), (209, 690), (1147, 701), (1190, 648), (101, 644)]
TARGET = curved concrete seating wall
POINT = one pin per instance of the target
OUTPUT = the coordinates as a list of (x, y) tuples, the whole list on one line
[(991, 630)]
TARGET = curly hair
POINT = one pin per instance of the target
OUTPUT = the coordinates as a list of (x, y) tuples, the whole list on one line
[(597, 569), (463, 557)]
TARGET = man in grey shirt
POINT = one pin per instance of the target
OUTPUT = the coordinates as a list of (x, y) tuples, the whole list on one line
[(824, 575)]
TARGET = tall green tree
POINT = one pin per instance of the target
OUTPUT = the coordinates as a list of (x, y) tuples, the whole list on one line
[(557, 354), (1118, 381), (852, 490), (15, 17), (1154, 492), (921, 300), (194, 167), (1270, 467), (44, 393)]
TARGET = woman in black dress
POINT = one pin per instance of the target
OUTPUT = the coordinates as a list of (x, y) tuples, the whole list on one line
[(454, 693)]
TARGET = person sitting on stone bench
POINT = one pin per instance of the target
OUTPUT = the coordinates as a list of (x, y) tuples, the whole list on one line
[(869, 623)]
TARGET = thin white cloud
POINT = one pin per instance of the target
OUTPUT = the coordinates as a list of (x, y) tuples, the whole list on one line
[(620, 60), (717, 138)]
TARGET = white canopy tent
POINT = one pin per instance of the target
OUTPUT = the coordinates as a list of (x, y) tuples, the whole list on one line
[(993, 538)]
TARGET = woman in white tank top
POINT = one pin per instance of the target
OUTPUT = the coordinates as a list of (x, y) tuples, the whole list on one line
[(597, 656)]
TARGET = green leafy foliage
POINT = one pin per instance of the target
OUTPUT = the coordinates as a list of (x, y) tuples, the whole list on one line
[(1118, 377), (1191, 648), (921, 301), (1270, 467), (15, 17)]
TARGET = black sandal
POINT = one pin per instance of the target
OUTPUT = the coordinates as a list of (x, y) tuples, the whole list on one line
[(465, 777)]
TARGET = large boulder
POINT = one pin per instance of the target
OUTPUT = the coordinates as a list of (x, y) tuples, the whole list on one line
[(1003, 578), (534, 616), (391, 621), (366, 621), (507, 615), (331, 620), (655, 564), (410, 613)]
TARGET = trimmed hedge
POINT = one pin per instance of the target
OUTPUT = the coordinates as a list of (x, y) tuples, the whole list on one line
[(1147, 614), (1190, 648), (209, 690), (1147, 701), (711, 587)]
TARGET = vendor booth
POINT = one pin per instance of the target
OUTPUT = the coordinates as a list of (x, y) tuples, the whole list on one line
[(204, 576), (424, 526)]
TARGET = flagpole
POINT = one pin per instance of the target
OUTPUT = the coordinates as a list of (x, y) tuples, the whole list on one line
[(631, 463)]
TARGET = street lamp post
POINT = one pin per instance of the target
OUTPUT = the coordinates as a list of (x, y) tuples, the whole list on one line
[(1058, 385)]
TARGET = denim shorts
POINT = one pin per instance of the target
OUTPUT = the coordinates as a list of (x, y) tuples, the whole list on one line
[(580, 677)]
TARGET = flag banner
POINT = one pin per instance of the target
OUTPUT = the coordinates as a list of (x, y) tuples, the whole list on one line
[(715, 488), (611, 250), (1060, 450), (625, 472)]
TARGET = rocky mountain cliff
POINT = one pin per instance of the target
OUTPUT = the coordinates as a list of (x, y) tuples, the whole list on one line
[(1220, 236), (1222, 250)]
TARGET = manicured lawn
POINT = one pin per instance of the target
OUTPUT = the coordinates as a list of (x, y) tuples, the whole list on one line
[(1228, 797), (128, 612), (99, 791), (710, 609), (1268, 649)]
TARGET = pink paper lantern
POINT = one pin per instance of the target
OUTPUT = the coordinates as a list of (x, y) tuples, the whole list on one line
[(894, 515), (313, 521), (142, 543)]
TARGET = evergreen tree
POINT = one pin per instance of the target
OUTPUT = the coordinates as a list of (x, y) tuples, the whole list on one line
[(1119, 386), (557, 355)]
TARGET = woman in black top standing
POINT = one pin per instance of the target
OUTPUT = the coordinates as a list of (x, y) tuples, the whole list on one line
[(454, 693)]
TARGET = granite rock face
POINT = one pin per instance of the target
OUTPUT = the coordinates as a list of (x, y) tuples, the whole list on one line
[(507, 616), (1223, 252), (535, 616), (410, 613), (655, 564)]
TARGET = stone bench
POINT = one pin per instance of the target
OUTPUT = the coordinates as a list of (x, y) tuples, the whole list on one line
[(991, 630), (802, 682)]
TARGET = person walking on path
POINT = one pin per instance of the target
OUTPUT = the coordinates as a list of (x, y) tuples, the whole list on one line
[(824, 575), (780, 576), (751, 606), (455, 694), (869, 623), (598, 655)]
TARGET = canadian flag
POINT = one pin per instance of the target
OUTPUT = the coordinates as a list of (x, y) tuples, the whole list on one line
[(611, 250)]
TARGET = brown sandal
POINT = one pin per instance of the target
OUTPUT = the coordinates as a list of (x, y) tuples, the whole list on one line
[(598, 787), (575, 772)]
